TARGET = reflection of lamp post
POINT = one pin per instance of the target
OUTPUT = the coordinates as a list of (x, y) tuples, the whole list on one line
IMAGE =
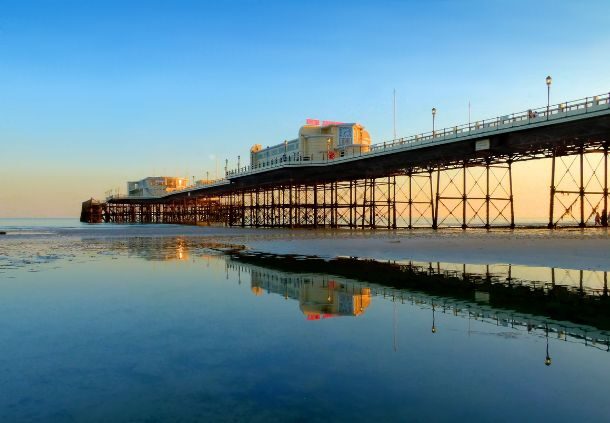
[(433, 116), (433, 325), (547, 360), (327, 148), (549, 81)]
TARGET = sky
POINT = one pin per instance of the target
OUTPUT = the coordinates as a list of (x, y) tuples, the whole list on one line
[(95, 93)]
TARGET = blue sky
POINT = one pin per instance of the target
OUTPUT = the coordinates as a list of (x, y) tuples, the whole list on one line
[(93, 93)]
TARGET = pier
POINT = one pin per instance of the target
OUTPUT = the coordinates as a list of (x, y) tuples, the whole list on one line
[(459, 176)]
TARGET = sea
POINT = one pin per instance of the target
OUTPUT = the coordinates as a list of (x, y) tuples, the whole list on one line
[(155, 323)]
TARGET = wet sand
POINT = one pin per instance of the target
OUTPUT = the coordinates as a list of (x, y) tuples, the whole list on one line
[(571, 249)]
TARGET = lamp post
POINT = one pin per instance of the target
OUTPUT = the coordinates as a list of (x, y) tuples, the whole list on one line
[(238, 162), (433, 116), (327, 148), (549, 81)]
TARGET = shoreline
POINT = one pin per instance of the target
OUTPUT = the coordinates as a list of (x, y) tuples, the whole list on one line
[(587, 249)]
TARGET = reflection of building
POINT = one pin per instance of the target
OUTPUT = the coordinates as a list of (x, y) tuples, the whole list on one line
[(319, 297), (162, 249), (154, 186)]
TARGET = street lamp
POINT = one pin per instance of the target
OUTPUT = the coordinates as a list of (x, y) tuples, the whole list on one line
[(433, 116), (327, 149), (549, 81), (238, 162)]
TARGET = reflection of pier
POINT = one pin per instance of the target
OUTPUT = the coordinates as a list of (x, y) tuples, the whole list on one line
[(319, 296), (589, 282), (290, 285), (571, 305), (502, 295)]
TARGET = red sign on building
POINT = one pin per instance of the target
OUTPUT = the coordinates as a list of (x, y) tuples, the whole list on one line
[(318, 122)]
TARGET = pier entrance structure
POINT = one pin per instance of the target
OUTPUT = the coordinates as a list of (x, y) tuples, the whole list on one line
[(459, 176)]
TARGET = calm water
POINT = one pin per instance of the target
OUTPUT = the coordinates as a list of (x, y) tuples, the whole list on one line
[(167, 328)]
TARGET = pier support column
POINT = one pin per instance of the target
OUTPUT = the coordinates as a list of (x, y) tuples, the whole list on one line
[(551, 224), (512, 203), (464, 195), (435, 207), (605, 210), (582, 189), (410, 201), (364, 204), (351, 205), (315, 205), (487, 197)]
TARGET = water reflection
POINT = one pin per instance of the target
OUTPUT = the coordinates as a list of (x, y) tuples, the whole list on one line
[(319, 296), (148, 329), (358, 295), (524, 299)]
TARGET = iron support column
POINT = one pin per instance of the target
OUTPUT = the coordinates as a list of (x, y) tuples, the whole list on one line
[(582, 189), (487, 195), (315, 205), (464, 195), (510, 184), (605, 211), (364, 205), (351, 204), (552, 201), (410, 200), (394, 202), (435, 208)]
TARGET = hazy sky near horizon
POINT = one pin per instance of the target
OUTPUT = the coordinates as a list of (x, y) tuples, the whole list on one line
[(95, 93)]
